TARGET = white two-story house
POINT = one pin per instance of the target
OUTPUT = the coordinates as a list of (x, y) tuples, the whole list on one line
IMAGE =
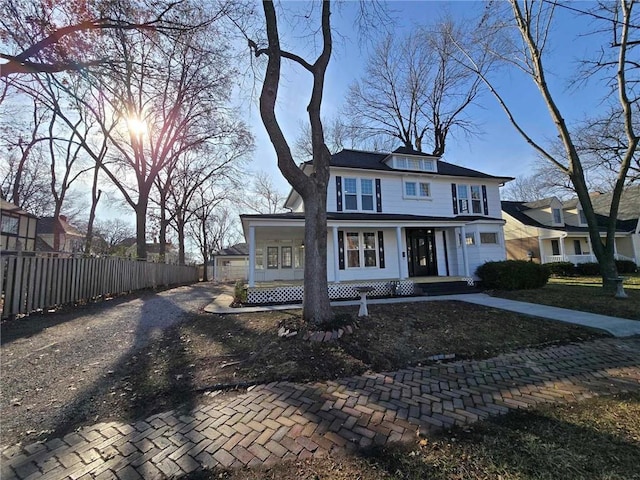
[(393, 219)]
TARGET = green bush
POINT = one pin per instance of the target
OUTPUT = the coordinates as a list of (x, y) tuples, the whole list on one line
[(587, 269), (561, 269), (513, 275), (626, 266), (239, 293)]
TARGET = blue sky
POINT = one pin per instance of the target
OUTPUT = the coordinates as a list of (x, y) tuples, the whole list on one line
[(499, 149)]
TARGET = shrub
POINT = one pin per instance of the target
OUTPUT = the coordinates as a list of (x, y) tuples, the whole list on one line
[(513, 275), (589, 268), (626, 266), (561, 269), (239, 293)]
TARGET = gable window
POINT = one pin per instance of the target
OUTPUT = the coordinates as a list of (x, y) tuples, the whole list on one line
[(10, 224), (350, 194), (489, 238), (417, 164), (583, 217), (557, 215), (366, 193)]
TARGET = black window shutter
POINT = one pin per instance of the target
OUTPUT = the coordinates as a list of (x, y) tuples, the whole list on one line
[(454, 195), (381, 247), (339, 194), (485, 202), (378, 196), (340, 249)]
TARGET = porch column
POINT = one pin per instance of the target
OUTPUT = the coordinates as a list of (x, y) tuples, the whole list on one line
[(562, 252), (401, 274), (252, 256), (465, 255), (615, 247), (336, 255), (214, 261), (542, 260)]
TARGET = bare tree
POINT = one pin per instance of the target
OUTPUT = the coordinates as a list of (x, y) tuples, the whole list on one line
[(108, 234), (264, 197), (60, 42), (534, 22), (312, 188), (414, 90), (338, 135)]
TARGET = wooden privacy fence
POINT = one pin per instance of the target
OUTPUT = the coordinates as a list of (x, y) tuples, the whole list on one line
[(35, 283)]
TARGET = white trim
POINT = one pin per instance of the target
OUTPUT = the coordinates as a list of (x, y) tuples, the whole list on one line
[(401, 260), (252, 256), (336, 255)]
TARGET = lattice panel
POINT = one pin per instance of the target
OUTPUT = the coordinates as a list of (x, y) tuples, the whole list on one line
[(337, 291)]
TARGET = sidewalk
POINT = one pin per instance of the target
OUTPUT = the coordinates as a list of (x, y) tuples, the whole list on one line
[(618, 327), (288, 421)]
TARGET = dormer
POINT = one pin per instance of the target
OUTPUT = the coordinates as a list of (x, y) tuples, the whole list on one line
[(573, 213), (548, 211), (407, 159)]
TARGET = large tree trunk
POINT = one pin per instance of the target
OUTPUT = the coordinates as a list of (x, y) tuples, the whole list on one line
[(317, 306), (141, 231)]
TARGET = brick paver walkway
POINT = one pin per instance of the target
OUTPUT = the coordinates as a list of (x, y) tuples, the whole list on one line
[(289, 421)]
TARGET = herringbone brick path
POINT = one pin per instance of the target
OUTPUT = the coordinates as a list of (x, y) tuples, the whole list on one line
[(282, 421)]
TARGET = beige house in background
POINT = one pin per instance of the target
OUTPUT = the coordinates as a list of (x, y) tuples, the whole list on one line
[(58, 238), (549, 230), (229, 264), (17, 229)]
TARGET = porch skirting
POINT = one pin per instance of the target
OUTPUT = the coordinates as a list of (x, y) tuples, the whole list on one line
[(337, 291)]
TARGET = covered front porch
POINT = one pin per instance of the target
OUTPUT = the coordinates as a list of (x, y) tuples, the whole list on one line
[(292, 291), (577, 248)]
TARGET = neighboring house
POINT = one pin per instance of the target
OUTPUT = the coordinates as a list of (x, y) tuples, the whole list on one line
[(57, 238), (390, 217), (130, 250), (17, 229), (230, 263), (550, 230)]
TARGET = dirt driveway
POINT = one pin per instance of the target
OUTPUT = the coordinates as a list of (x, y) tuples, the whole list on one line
[(64, 365)]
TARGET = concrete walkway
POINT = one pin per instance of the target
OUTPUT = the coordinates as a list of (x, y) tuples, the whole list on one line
[(283, 421), (618, 327)]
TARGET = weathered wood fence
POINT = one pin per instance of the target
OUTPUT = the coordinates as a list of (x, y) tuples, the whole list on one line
[(35, 283)]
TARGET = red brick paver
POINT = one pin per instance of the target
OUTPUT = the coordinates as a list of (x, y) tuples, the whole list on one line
[(283, 420)]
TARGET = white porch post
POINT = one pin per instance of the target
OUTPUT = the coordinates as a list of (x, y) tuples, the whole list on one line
[(465, 255), (590, 248), (615, 247), (540, 244), (336, 255), (252, 256), (215, 269), (401, 274), (562, 251)]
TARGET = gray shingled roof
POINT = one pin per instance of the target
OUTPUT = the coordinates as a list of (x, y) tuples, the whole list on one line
[(239, 249), (374, 161), (517, 210), (629, 203)]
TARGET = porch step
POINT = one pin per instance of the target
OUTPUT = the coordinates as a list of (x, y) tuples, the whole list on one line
[(445, 288)]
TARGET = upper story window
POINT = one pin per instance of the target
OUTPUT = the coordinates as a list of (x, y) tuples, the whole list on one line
[(418, 164), (417, 189), (10, 224), (358, 194), (583, 217), (557, 215), (469, 199)]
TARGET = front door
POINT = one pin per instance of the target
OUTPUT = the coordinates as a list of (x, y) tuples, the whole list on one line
[(421, 252)]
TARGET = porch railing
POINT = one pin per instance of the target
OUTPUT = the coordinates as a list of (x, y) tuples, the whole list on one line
[(575, 259)]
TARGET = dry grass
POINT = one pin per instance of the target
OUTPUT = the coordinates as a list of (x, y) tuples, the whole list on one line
[(583, 294), (597, 438)]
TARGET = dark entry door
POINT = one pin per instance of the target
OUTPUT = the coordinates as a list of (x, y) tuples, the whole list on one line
[(421, 252)]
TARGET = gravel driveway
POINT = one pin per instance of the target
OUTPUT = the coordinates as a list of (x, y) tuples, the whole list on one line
[(55, 364)]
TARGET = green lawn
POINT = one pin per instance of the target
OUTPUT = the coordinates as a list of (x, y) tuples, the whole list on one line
[(583, 294)]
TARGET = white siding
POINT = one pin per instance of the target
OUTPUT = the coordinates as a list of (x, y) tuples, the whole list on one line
[(440, 204)]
